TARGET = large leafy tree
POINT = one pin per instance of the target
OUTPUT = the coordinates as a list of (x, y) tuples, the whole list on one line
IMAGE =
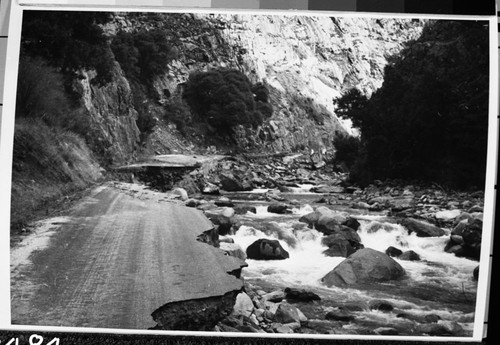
[(225, 98), (69, 40), (429, 119)]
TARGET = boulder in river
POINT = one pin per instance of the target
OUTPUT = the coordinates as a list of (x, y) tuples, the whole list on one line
[(224, 202), (381, 305), (310, 218), (393, 251), (325, 189), (340, 247), (365, 266), (339, 315), (210, 189), (421, 228), (277, 208), (293, 294), (274, 229), (409, 255), (243, 209), (231, 183), (266, 249), (352, 223), (465, 239)]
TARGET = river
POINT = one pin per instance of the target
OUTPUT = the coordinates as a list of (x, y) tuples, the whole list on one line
[(440, 286)]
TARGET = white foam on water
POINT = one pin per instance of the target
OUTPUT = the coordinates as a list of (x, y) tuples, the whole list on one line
[(306, 265), (302, 189), (303, 210), (436, 266)]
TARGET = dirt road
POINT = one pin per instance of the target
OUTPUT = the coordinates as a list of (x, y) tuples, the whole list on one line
[(120, 254)]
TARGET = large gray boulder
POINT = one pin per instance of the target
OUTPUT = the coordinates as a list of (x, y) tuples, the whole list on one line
[(365, 266), (266, 249), (421, 228), (232, 183)]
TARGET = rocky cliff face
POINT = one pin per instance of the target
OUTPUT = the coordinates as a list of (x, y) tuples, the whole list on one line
[(305, 61), (113, 133)]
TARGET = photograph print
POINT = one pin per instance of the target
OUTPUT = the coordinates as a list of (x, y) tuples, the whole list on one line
[(266, 174)]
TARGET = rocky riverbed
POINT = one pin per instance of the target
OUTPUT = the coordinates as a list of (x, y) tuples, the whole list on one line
[(326, 257)]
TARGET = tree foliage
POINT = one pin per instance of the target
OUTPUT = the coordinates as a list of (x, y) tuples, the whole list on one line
[(143, 54), (225, 98), (69, 40), (429, 119)]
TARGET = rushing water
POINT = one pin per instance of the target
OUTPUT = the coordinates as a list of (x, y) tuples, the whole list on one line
[(439, 284)]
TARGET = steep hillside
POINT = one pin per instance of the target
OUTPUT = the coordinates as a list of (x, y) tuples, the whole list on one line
[(304, 61), (114, 83)]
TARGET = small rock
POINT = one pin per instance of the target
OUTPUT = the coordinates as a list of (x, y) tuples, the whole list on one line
[(243, 305), (339, 315), (421, 228), (283, 329), (475, 273), (393, 251), (226, 239), (192, 203), (275, 296), (380, 304), (286, 313), (409, 255), (224, 202), (277, 208), (352, 223), (386, 331), (210, 189), (181, 192), (433, 329), (432, 318), (451, 326), (245, 209), (300, 295), (448, 215)]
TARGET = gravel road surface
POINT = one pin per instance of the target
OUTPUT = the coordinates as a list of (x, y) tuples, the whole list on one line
[(117, 256)]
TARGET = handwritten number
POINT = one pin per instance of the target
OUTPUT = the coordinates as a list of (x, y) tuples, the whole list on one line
[(36, 339), (54, 341), (13, 340)]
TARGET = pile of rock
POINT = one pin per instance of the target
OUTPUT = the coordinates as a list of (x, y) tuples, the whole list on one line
[(466, 236), (259, 311)]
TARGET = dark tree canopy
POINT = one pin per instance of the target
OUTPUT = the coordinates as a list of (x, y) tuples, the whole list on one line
[(70, 40), (429, 120), (143, 54), (226, 98)]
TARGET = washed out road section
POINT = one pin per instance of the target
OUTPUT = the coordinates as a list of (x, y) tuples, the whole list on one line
[(120, 254)]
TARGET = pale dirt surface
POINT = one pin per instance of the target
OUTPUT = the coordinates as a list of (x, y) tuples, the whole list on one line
[(173, 161), (120, 254)]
